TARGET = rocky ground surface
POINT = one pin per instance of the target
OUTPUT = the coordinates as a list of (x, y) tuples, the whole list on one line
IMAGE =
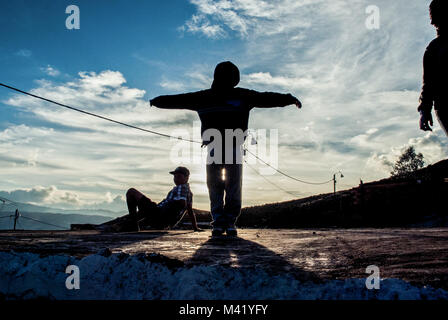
[(418, 255)]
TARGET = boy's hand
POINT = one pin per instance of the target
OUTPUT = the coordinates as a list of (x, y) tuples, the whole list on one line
[(296, 101), (426, 120)]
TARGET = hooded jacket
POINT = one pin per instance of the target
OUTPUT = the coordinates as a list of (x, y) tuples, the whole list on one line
[(223, 106)]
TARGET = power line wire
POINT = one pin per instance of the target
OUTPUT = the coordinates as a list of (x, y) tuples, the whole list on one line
[(2, 199), (50, 224), (7, 200), (269, 181), (287, 175), (150, 131), (96, 115)]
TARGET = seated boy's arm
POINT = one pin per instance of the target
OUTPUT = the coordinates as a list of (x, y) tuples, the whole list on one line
[(193, 218)]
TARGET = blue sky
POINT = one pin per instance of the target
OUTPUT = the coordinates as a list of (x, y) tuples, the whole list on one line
[(359, 89), (114, 35)]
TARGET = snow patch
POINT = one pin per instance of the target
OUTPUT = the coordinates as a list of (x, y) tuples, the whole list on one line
[(151, 276)]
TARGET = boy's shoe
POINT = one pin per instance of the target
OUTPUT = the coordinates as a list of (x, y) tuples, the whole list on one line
[(217, 231), (231, 231)]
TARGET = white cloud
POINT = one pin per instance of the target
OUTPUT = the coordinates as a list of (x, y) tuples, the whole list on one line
[(24, 53), (88, 155), (195, 77), (66, 199), (49, 70), (359, 87), (245, 17), (172, 85), (432, 145), (359, 90), (286, 83), (200, 24), (42, 195)]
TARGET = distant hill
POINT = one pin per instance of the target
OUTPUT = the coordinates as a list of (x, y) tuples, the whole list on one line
[(49, 221), (418, 200), (27, 207), (57, 217)]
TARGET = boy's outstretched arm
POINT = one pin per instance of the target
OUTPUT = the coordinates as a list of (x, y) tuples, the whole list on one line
[(191, 100), (272, 99)]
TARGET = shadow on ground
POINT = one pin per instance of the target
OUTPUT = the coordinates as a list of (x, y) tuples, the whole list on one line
[(237, 252)]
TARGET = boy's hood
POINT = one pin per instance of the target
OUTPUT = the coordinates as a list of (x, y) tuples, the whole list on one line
[(226, 76)]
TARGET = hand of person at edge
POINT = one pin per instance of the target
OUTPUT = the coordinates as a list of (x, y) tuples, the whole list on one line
[(426, 121)]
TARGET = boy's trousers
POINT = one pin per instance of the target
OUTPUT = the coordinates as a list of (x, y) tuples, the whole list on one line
[(224, 190)]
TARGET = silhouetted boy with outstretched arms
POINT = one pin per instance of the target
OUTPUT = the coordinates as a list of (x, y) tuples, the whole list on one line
[(435, 71), (222, 107)]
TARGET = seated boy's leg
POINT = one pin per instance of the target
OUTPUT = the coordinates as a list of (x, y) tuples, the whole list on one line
[(115, 225), (127, 223), (133, 196), (116, 220), (148, 212), (138, 205), (168, 216), (124, 223), (144, 205)]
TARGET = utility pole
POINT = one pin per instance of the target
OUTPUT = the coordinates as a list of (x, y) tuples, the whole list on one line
[(16, 217), (334, 180)]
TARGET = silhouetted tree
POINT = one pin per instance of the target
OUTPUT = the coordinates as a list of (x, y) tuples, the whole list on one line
[(408, 163)]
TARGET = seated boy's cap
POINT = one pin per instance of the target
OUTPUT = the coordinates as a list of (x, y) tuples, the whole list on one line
[(182, 170)]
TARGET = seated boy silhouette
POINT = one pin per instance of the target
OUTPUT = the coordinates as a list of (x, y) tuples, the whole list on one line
[(144, 213)]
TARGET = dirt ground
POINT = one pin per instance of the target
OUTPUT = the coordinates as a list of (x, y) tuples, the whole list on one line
[(417, 255)]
